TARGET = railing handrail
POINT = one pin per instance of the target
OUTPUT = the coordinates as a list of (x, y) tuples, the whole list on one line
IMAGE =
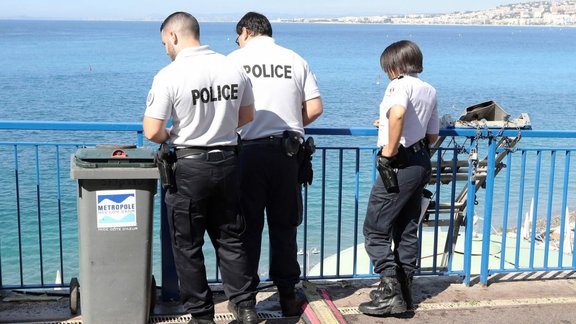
[(450, 131), (64, 125), (350, 131)]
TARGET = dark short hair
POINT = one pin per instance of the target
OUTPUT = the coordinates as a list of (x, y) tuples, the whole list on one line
[(182, 21), (402, 57), (257, 23)]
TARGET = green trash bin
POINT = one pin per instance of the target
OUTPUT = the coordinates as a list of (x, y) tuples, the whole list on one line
[(116, 188)]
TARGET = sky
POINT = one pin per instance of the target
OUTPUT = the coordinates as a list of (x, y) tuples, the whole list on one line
[(229, 10)]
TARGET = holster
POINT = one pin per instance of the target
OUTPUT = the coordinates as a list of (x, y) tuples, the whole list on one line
[(291, 142), (387, 172), (165, 159), (305, 171)]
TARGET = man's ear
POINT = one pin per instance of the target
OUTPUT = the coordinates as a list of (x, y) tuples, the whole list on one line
[(245, 33), (174, 38)]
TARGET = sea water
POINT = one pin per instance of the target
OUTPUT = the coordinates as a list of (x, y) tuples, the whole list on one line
[(84, 71)]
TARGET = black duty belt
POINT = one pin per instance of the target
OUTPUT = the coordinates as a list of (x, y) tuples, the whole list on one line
[(264, 140), (207, 153), (416, 147)]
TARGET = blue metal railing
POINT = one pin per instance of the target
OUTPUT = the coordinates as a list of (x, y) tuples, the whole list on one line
[(38, 215)]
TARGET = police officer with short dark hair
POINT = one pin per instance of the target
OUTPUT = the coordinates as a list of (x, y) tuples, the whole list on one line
[(408, 122), (286, 99), (207, 97)]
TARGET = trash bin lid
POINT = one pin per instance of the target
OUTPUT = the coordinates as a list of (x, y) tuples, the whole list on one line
[(114, 156)]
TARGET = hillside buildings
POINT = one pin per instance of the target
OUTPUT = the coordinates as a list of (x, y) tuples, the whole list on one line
[(546, 13)]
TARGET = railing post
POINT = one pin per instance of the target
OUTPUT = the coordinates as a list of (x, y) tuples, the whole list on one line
[(563, 214), (452, 238), (488, 210), (139, 138), (534, 208), (356, 197), (1, 285), (470, 198)]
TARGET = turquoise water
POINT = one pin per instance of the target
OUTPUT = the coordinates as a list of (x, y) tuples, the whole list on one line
[(101, 71)]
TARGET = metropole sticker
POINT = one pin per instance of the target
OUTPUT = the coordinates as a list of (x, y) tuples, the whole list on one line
[(116, 210)]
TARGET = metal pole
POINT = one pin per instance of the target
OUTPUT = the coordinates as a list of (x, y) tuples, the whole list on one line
[(488, 211), (470, 198)]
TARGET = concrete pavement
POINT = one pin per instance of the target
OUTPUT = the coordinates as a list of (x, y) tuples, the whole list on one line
[(542, 297)]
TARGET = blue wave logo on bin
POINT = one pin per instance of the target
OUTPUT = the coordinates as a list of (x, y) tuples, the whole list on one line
[(116, 208)]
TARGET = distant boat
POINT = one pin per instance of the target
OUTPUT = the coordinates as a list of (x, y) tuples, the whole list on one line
[(378, 79)]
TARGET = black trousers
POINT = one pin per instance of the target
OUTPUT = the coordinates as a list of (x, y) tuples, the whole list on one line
[(393, 217), (206, 200), (269, 182)]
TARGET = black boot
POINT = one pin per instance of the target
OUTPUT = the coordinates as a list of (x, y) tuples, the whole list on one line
[(405, 286), (290, 304), (245, 312), (202, 320), (386, 300)]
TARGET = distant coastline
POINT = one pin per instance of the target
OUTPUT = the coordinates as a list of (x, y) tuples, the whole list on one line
[(423, 24), (536, 13), (530, 13), (561, 13)]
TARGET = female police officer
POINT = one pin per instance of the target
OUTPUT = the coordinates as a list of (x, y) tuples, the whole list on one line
[(408, 122)]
